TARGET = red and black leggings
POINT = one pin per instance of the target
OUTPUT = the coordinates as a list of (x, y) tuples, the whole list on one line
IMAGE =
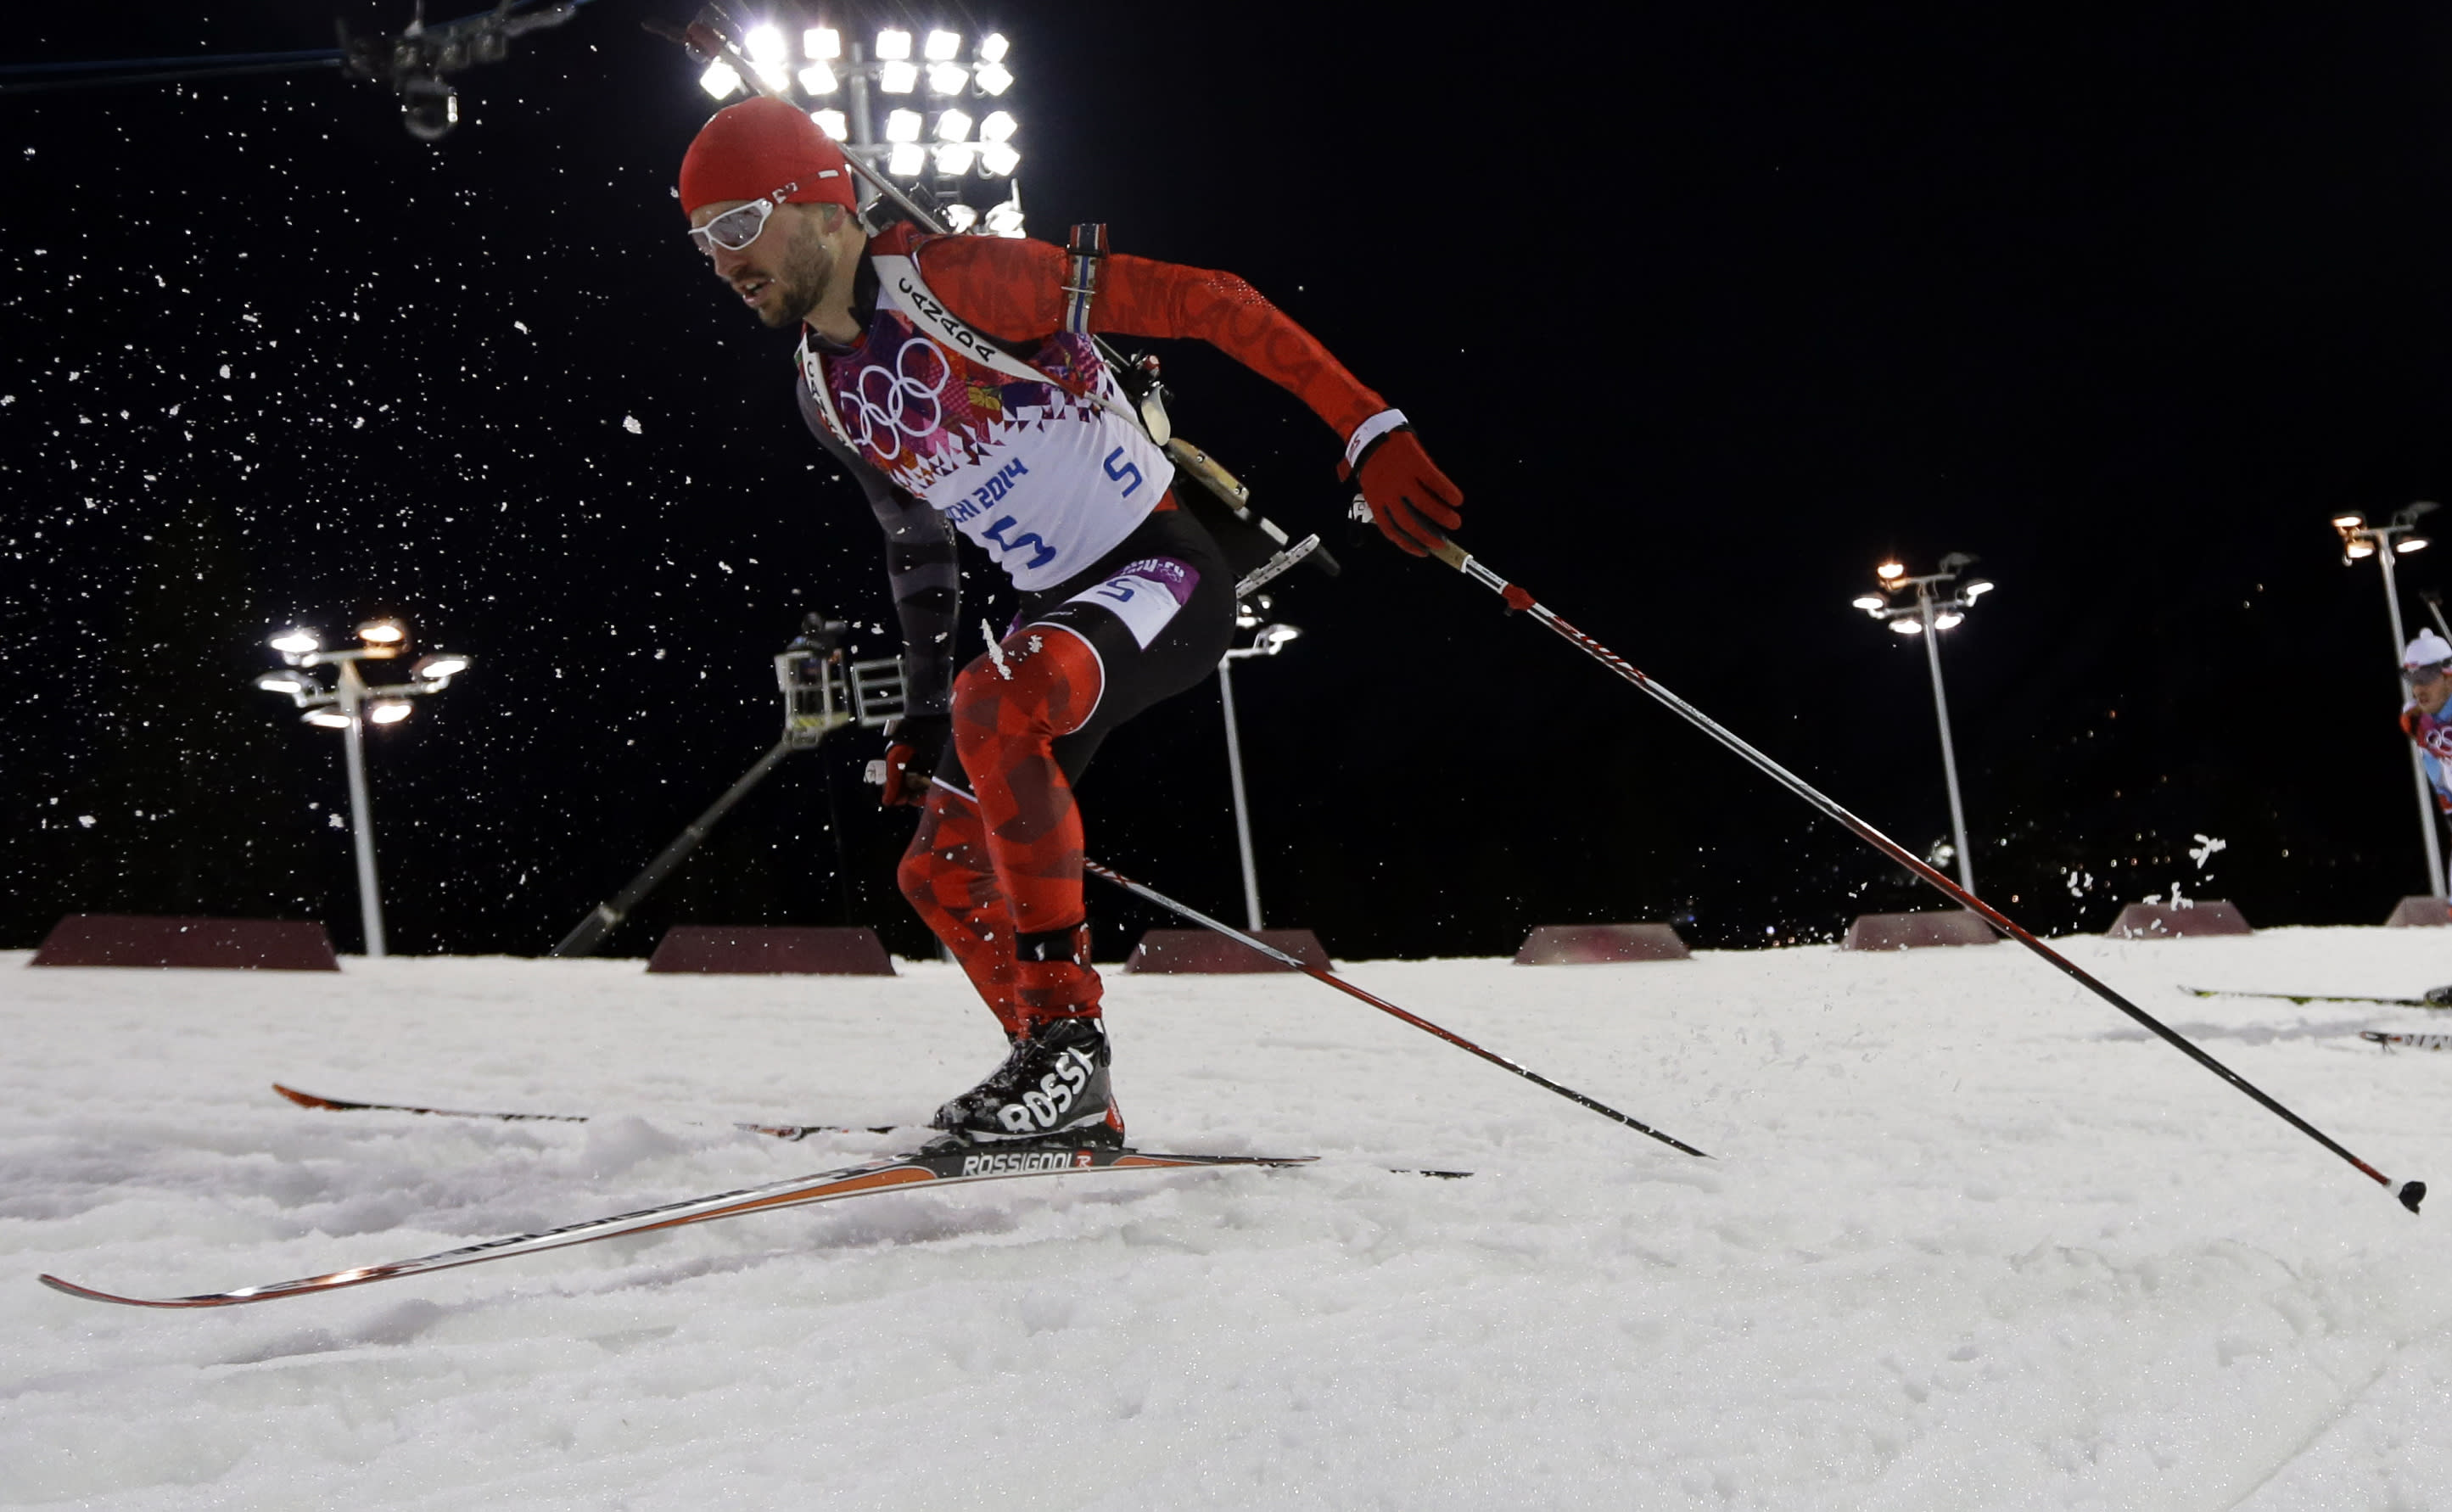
[(995, 868)]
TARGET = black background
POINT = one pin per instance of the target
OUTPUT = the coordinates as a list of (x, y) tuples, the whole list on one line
[(1707, 313)]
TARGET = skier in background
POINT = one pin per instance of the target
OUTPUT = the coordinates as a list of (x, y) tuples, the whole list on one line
[(2426, 669), (955, 378)]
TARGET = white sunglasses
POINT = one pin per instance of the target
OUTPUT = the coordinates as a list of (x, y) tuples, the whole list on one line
[(736, 228)]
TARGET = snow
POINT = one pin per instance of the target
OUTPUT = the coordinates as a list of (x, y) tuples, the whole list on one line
[(1971, 1239)]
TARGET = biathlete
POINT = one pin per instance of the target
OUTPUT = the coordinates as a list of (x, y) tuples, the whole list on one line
[(955, 379)]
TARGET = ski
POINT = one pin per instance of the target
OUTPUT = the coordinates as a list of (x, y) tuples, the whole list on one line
[(780, 1131), (890, 1173), (2412, 1042), (2435, 998)]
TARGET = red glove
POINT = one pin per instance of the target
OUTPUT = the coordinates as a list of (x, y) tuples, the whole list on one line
[(914, 743), (1412, 502)]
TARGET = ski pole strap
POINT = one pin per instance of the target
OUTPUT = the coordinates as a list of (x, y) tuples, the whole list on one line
[(1088, 249)]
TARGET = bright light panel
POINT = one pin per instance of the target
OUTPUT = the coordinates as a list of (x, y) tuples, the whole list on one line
[(1977, 589), (1947, 618), (276, 682), (999, 160), (1888, 570), (999, 127), (441, 666), (383, 632), (387, 713), (1907, 627), (329, 719), (720, 80), (296, 643), (907, 159), (2410, 543), (1871, 603), (992, 47), (832, 123), (994, 78), (2349, 522), (895, 45), (766, 45), (821, 41), (953, 127), (944, 46), (899, 78), (2360, 548), (902, 126), (818, 79), (948, 78), (775, 77), (955, 157)]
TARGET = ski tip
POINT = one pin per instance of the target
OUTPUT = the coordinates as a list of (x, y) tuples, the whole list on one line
[(306, 1099), (71, 1288), (2411, 1194)]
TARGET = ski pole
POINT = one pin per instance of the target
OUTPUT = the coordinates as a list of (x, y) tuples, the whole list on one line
[(2409, 1193), (1186, 910)]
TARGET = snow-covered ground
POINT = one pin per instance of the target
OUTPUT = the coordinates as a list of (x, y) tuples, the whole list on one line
[(1971, 1241)]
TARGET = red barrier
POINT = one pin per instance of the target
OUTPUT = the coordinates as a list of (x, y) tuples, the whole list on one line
[(1201, 951), (771, 950), (1581, 945), (1915, 931), (2417, 912), (2163, 920), (157, 941)]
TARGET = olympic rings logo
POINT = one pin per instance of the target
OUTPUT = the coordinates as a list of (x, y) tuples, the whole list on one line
[(889, 401)]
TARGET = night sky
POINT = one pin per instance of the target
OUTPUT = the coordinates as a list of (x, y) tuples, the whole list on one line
[(1707, 313)]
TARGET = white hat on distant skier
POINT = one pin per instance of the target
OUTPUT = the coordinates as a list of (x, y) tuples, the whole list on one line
[(2429, 650)]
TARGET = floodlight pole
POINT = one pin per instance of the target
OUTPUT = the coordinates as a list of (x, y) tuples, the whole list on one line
[(1949, 750), (352, 692), (1926, 613), (1271, 640)]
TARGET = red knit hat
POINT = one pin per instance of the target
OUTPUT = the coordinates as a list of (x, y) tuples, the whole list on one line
[(747, 152)]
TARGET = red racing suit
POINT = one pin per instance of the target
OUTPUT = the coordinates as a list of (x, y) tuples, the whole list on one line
[(974, 400)]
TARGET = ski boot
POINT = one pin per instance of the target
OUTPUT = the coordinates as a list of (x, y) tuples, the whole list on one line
[(1052, 1086)]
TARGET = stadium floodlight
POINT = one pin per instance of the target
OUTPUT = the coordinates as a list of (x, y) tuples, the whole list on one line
[(954, 158), (349, 704), (997, 127), (953, 127), (902, 126), (993, 48), (999, 160), (908, 159), (994, 77), (1941, 603), (894, 44), (899, 78), (821, 44), (720, 80), (948, 78), (832, 123), (765, 43), (942, 46), (2385, 543), (818, 79)]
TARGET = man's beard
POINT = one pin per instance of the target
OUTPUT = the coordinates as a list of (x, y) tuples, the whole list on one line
[(808, 269)]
